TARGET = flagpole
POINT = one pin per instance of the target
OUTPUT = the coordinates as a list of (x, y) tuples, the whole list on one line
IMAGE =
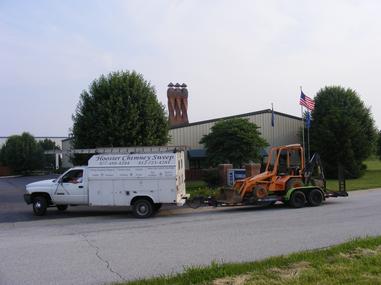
[(308, 141), (301, 109), (273, 123)]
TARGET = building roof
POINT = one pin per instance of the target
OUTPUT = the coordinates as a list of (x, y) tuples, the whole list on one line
[(237, 116), (39, 137)]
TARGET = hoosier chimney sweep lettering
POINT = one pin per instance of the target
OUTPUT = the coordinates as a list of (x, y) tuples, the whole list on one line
[(134, 160), (107, 158), (164, 159), (135, 157)]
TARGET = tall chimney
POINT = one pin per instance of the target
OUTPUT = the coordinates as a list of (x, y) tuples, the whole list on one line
[(177, 104)]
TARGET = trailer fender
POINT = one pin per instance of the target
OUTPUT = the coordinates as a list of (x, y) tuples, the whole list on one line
[(305, 189)]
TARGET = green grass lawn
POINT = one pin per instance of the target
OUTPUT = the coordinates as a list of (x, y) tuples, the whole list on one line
[(199, 188), (354, 262), (371, 178)]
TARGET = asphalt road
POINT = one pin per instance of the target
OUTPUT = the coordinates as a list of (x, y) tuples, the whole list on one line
[(97, 246)]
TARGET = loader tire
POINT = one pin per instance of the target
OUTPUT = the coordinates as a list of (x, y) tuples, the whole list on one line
[(260, 192), (297, 199), (315, 198)]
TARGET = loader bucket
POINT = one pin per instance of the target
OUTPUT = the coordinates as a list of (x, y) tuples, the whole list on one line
[(229, 196)]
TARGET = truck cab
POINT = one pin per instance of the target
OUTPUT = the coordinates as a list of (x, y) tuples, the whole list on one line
[(71, 188), (68, 189)]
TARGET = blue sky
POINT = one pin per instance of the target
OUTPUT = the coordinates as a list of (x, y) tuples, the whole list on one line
[(235, 56)]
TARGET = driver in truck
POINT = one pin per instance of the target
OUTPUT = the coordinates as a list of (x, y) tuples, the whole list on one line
[(78, 178), (74, 177)]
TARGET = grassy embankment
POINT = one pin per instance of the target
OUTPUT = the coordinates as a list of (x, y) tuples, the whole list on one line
[(354, 262), (371, 178)]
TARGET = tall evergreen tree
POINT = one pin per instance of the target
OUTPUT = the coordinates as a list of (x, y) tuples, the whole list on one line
[(342, 130), (379, 144), (119, 110)]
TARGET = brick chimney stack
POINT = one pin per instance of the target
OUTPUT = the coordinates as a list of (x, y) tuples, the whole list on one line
[(177, 104)]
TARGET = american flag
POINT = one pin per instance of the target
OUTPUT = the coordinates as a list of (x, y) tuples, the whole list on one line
[(306, 101)]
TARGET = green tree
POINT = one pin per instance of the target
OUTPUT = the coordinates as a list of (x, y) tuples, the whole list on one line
[(234, 141), (49, 159), (342, 130), (22, 153), (379, 144), (119, 110)]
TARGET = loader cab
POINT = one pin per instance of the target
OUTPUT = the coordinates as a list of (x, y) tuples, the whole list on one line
[(286, 161)]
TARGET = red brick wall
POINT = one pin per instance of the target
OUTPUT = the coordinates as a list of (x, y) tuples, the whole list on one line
[(5, 171), (223, 173), (252, 169)]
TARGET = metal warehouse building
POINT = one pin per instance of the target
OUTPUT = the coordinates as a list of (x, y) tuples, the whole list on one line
[(285, 131)]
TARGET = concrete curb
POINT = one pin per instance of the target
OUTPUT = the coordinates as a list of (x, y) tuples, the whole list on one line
[(12, 176)]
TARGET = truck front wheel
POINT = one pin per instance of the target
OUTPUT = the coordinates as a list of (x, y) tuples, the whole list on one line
[(142, 208), (40, 204)]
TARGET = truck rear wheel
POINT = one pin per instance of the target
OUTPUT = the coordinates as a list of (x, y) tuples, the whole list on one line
[(297, 199), (40, 204), (315, 198), (142, 208)]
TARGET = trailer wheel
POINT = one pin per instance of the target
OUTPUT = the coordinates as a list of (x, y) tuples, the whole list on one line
[(142, 208), (40, 204), (315, 198), (62, 207), (195, 202), (297, 199)]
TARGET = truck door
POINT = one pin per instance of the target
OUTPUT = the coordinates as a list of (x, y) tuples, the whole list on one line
[(71, 189), (123, 192)]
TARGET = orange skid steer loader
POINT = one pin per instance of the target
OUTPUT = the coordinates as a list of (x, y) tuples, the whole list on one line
[(287, 179)]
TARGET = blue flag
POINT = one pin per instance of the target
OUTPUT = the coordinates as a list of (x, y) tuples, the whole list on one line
[(308, 120)]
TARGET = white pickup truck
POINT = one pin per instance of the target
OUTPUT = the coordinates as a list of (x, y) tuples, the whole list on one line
[(144, 181)]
